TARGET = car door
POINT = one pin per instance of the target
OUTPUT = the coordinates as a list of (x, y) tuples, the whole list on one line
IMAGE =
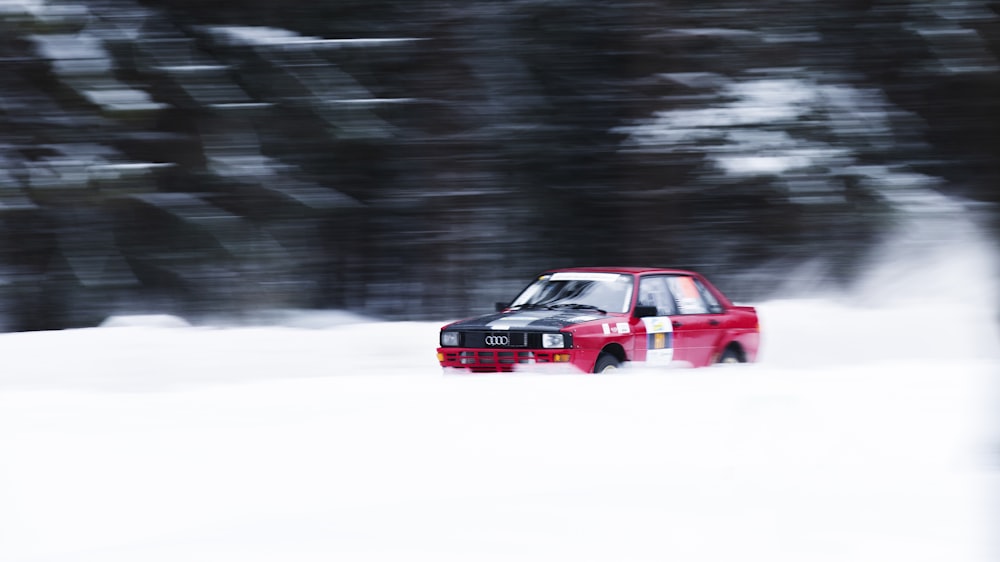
[(656, 343), (696, 321)]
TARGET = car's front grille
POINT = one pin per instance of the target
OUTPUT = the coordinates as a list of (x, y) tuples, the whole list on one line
[(496, 339), (505, 339)]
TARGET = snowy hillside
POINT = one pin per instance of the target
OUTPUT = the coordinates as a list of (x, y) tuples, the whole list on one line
[(866, 433)]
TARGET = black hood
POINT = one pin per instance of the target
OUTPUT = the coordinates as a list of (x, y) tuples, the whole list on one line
[(529, 320)]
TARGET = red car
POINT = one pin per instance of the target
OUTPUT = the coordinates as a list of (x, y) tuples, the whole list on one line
[(597, 319)]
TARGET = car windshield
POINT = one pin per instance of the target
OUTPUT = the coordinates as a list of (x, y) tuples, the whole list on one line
[(605, 292)]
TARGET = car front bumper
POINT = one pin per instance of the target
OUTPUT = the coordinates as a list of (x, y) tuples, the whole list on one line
[(504, 360)]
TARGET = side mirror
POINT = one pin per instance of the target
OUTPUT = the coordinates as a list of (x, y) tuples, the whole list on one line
[(644, 311), (501, 306)]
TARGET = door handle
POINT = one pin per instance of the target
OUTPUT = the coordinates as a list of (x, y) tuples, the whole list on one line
[(713, 322), (677, 324)]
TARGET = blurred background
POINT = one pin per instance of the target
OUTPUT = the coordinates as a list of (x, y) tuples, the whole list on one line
[(423, 159)]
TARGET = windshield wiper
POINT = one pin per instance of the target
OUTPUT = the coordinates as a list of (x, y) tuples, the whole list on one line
[(579, 306), (532, 307)]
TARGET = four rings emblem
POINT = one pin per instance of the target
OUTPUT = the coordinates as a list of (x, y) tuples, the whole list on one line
[(496, 340)]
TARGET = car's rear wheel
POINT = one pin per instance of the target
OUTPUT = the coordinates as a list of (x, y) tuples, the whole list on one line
[(731, 355), (606, 363)]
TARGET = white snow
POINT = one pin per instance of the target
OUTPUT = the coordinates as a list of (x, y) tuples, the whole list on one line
[(864, 434)]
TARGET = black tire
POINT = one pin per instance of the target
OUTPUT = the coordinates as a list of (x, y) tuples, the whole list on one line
[(606, 363), (731, 355)]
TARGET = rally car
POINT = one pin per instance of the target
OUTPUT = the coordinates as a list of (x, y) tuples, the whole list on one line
[(598, 319)]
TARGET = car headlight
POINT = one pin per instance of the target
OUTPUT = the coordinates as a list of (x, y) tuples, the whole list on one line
[(449, 339), (553, 341)]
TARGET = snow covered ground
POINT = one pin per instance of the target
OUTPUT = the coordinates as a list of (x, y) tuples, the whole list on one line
[(866, 433)]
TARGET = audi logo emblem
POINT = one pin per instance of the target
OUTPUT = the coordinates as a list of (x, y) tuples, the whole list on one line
[(497, 340)]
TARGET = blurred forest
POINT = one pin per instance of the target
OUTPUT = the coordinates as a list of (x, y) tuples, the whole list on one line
[(423, 159)]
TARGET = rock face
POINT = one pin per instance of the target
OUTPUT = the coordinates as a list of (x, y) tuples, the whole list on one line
[(205, 158)]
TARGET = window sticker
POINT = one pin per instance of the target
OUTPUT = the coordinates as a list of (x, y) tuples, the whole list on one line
[(688, 297)]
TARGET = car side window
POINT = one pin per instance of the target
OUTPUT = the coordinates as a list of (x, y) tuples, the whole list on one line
[(710, 300), (653, 291), (686, 294)]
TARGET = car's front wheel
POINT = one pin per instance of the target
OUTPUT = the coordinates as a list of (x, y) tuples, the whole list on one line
[(606, 363)]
